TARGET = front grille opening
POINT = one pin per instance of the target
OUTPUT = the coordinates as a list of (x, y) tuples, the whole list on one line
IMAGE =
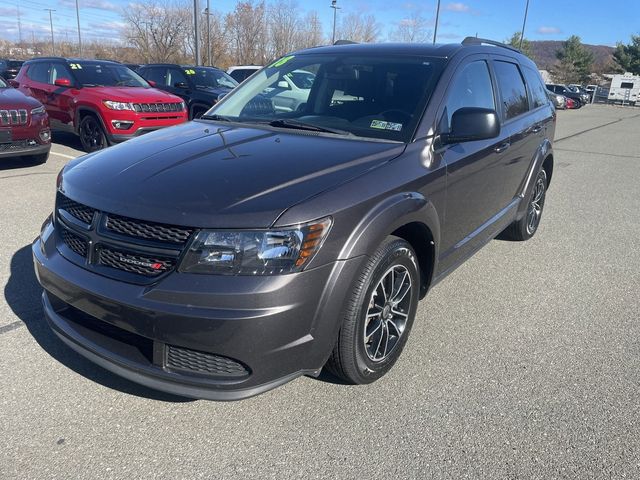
[(81, 212), (74, 242), (134, 263), (148, 230), (194, 361)]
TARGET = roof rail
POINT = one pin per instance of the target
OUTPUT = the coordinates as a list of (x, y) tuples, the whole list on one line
[(484, 41), (344, 42), (47, 58)]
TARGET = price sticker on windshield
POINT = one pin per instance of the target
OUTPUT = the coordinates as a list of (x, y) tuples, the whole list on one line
[(382, 125), (190, 71)]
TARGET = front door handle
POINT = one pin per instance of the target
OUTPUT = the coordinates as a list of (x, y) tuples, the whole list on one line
[(536, 129), (502, 147)]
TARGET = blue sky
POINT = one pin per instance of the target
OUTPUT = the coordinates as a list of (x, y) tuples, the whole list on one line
[(593, 21)]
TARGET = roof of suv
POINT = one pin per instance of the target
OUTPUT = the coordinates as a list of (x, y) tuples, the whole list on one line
[(177, 65), (64, 59)]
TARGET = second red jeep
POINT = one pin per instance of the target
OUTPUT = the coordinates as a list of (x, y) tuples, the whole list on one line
[(103, 102)]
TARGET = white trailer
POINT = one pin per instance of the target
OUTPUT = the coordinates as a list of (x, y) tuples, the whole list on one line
[(625, 89)]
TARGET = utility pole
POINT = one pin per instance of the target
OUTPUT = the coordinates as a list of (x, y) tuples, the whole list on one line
[(196, 14), (19, 25), (79, 35), (334, 5), (53, 48), (435, 29), (208, 35), (524, 22)]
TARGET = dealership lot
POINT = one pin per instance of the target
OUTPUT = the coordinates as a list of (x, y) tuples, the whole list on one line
[(522, 364)]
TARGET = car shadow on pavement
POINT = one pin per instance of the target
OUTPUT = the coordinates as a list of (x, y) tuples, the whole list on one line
[(23, 293), (67, 139)]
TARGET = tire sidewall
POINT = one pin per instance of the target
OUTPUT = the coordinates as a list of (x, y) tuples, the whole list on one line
[(400, 254), (525, 231), (90, 148)]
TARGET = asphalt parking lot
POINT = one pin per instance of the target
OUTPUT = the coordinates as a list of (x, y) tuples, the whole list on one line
[(524, 363)]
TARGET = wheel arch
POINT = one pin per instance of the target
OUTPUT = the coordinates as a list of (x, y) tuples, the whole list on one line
[(83, 111)]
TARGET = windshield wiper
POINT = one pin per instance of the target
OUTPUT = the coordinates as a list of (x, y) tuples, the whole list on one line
[(290, 123), (215, 117)]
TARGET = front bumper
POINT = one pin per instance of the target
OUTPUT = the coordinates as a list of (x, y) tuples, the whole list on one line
[(277, 328), (16, 149)]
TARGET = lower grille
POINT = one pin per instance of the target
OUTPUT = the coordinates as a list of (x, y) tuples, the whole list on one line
[(205, 363), (132, 263), (74, 242), (13, 146)]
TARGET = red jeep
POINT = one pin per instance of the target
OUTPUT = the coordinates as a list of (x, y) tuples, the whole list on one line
[(103, 102), (24, 126)]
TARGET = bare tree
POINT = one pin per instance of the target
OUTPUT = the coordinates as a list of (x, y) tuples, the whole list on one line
[(247, 32), (413, 29), (284, 27), (312, 32), (159, 29), (358, 28)]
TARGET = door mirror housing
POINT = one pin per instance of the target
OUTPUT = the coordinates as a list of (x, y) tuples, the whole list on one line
[(62, 82), (469, 124), (181, 85), (283, 84)]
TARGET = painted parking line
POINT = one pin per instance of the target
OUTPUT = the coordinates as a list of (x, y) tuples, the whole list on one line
[(64, 155)]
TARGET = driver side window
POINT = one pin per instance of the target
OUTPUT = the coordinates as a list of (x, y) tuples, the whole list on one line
[(471, 87)]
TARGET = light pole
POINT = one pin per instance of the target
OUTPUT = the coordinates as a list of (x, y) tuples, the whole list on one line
[(334, 5), (435, 29), (524, 22), (196, 14), (79, 35), (208, 12), (53, 48)]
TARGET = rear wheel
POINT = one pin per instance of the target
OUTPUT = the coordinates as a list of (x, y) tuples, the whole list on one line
[(92, 135), (527, 226), (379, 315)]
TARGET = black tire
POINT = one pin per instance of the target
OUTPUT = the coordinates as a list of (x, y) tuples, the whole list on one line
[(40, 159), (92, 136), (527, 226), (354, 359)]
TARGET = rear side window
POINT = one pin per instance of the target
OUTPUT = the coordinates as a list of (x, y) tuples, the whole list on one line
[(39, 72), (538, 92), (511, 84), (471, 87)]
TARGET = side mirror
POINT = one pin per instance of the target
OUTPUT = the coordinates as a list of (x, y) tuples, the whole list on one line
[(151, 82), (472, 123), (283, 84), (181, 85), (62, 82)]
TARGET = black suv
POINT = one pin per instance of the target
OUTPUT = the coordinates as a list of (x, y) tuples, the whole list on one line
[(199, 87), (577, 97), (229, 255), (10, 68)]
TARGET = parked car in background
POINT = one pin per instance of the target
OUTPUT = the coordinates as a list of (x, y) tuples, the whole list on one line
[(625, 89), (571, 103), (559, 101), (10, 68), (199, 87), (241, 72), (132, 66), (564, 90), (292, 91), (585, 95), (24, 126), (241, 250), (103, 102)]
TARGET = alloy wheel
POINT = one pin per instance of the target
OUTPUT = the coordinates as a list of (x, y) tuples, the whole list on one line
[(535, 207)]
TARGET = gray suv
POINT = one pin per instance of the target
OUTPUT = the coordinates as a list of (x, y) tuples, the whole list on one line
[(226, 256)]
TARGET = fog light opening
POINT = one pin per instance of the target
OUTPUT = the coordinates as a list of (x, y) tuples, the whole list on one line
[(121, 124)]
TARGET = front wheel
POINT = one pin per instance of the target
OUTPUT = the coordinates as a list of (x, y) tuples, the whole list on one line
[(527, 226), (379, 314), (92, 135)]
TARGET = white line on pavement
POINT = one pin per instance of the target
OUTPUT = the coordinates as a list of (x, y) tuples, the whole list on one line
[(63, 155)]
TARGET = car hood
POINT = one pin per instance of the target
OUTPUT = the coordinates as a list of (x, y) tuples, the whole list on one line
[(133, 94), (10, 98), (213, 175)]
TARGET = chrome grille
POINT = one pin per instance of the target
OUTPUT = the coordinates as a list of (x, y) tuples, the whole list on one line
[(13, 117), (157, 107)]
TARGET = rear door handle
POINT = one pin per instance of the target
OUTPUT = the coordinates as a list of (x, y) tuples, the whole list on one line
[(536, 129), (502, 147)]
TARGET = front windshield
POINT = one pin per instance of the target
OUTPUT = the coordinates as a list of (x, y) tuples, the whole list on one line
[(3, 84), (372, 96), (210, 78), (95, 74)]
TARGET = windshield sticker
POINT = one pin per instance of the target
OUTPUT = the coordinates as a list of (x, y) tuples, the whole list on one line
[(382, 125), (190, 71), (282, 61)]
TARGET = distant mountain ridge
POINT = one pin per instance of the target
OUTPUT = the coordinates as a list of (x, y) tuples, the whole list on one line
[(544, 52)]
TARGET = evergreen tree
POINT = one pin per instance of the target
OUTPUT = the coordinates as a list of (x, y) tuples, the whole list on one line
[(628, 56), (575, 61), (527, 47)]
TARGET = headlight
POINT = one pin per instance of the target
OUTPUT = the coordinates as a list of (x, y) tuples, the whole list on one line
[(38, 110), (259, 252), (560, 99), (117, 105)]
